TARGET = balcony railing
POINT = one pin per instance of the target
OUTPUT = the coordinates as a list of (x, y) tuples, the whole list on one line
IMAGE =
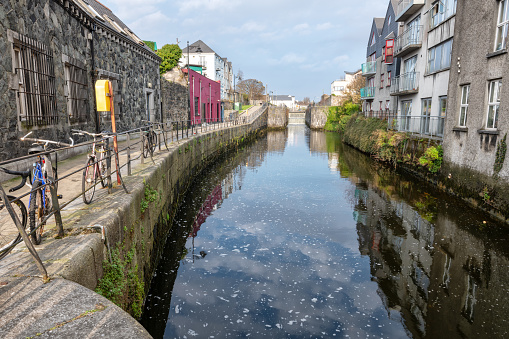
[(406, 8), (409, 41), (430, 126), (367, 92), (407, 83), (369, 68)]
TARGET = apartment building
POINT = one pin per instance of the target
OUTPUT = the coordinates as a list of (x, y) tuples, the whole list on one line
[(214, 67), (424, 45), (477, 121), (381, 66)]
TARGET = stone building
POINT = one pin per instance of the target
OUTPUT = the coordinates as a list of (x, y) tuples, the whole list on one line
[(476, 121), (51, 54)]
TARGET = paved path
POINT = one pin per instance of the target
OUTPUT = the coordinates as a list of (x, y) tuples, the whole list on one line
[(62, 308)]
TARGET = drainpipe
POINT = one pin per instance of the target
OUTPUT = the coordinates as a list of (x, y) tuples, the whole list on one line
[(92, 53)]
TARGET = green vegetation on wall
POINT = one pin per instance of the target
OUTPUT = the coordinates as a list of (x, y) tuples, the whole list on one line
[(338, 116), (500, 156)]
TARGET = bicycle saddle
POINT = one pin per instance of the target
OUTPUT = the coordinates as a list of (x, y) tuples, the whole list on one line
[(35, 149)]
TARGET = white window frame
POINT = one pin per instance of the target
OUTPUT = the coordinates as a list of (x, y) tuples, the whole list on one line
[(441, 11), (441, 55), (502, 25), (465, 93), (494, 90)]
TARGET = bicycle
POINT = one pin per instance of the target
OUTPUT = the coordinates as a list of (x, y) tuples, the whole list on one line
[(39, 203), (95, 167), (149, 140), (9, 235)]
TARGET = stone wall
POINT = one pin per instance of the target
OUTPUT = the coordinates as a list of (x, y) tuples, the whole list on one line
[(175, 101), (67, 35), (316, 117), (278, 117)]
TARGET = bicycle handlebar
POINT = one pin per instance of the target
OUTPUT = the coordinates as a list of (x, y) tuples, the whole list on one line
[(24, 175), (39, 141)]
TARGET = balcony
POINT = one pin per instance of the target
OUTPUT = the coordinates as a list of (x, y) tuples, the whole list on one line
[(367, 93), (407, 8), (369, 68), (407, 83), (408, 42), (424, 126)]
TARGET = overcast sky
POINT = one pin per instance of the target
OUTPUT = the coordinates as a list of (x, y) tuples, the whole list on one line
[(295, 47)]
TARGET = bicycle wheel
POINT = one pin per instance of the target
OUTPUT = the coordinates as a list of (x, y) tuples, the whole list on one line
[(147, 149), (153, 141), (88, 181), (8, 231), (36, 212)]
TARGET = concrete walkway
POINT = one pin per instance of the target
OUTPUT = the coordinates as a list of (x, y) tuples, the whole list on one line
[(63, 308)]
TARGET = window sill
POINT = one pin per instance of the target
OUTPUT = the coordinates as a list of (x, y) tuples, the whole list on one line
[(497, 53), (439, 71), (460, 129), (488, 131)]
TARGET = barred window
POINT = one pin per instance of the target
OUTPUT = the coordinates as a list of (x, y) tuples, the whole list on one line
[(36, 95), (76, 91)]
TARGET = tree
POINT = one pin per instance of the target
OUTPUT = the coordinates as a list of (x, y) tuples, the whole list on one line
[(170, 55), (353, 90), (240, 75), (306, 101), (253, 88)]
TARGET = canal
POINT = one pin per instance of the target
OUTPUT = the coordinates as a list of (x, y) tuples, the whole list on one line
[(297, 235)]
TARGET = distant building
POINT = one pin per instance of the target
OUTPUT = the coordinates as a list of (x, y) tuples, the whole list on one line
[(286, 100), (214, 67), (338, 87), (53, 52), (205, 94)]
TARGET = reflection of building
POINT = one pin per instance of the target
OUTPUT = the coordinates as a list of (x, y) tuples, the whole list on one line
[(441, 279), (210, 204), (333, 162)]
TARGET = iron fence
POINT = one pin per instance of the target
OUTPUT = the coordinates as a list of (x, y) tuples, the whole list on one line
[(424, 125)]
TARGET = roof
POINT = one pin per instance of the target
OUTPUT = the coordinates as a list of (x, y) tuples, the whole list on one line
[(379, 23), (198, 47), (104, 16)]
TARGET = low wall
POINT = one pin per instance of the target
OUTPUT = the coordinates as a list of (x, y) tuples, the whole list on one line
[(316, 117), (278, 117)]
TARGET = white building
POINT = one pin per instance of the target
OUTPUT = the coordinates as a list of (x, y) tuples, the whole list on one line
[(339, 86), (286, 100), (424, 45), (214, 67)]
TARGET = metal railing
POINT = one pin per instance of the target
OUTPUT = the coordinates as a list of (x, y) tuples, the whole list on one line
[(166, 133), (408, 82), (425, 126), (368, 68), (411, 37)]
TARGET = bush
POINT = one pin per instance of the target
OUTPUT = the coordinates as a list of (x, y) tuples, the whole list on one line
[(432, 158), (338, 116)]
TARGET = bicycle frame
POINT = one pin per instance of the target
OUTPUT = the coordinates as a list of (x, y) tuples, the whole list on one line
[(39, 173)]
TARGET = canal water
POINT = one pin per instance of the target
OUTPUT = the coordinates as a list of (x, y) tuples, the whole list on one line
[(299, 236)]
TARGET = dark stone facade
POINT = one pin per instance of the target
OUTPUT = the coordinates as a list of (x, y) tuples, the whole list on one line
[(175, 101), (70, 34)]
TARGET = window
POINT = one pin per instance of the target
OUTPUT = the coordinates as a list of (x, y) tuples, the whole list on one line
[(382, 80), (76, 85), (464, 105), (389, 51), (502, 25), (441, 115), (196, 104), (406, 112), (493, 103), (381, 106), (441, 11), (387, 105), (409, 64), (389, 20), (389, 78), (439, 57), (36, 94), (425, 115), (373, 40)]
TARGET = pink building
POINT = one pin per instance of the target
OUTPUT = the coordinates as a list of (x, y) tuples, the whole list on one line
[(205, 97)]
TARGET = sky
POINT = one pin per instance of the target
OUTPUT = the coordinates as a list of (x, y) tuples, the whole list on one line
[(295, 47)]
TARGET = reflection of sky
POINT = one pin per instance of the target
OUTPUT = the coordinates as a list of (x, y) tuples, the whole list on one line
[(283, 260)]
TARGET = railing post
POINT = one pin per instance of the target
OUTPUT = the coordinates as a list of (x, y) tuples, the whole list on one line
[(108, 163), (129, 154), (142, 160)]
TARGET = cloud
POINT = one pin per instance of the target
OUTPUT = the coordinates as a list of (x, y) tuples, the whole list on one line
[(252, 26), (207, 5), (301, 27), (324, 26)]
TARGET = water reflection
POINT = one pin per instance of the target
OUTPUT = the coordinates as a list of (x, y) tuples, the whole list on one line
[(299, 236)]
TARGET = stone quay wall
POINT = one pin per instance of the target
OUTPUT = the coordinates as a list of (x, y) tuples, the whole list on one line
[(316, 117), (278, 117)]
